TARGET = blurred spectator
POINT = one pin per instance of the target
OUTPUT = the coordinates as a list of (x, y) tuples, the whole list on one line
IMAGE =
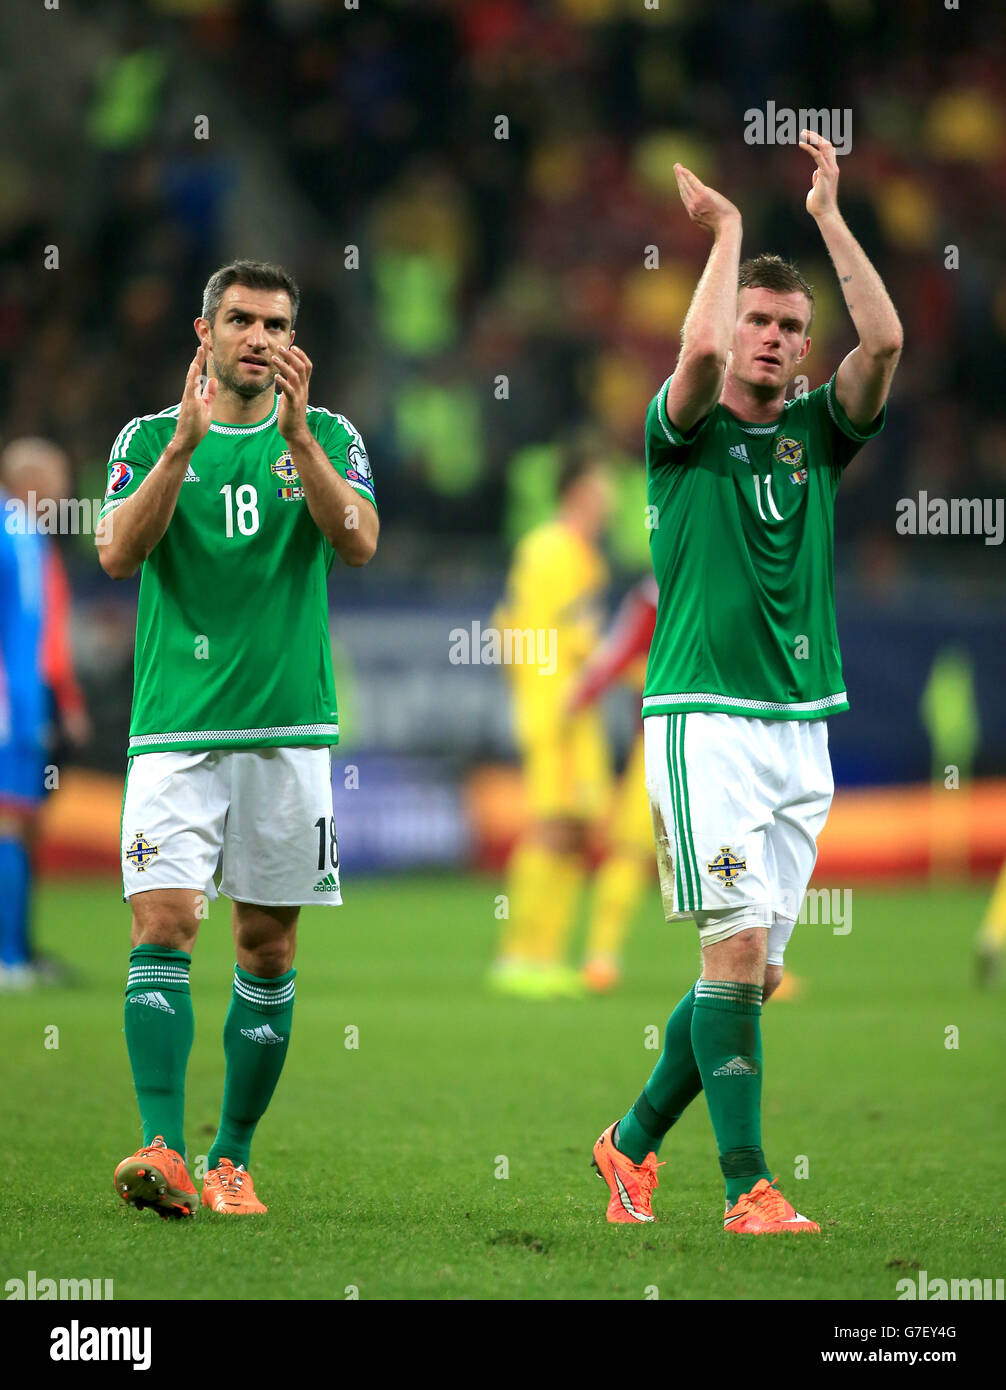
[(44, 710)]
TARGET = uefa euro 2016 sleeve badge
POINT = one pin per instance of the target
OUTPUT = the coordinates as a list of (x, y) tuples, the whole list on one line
[(358, 469), (141, 852), (727, 866)]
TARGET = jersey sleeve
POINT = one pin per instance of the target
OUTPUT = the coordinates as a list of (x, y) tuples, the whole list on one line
[(665, 443), (846, 439), (129, 462), (344, 446)]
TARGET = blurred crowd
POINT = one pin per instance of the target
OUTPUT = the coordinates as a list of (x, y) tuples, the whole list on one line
[(501, 167)]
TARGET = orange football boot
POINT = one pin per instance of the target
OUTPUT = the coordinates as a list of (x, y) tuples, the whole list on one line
[(764, 1211), (631, 1184), (156, 1176), (231, 1190)]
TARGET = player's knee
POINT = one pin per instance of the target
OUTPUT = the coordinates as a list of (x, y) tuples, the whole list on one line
[(170, 919), (265, 939), (267, 959), (741, 956)]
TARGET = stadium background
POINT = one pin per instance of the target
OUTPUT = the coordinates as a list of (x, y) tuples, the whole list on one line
[(480, 257)]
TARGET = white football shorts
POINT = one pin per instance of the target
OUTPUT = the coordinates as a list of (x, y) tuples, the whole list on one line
[(737, 807), (261, 815)]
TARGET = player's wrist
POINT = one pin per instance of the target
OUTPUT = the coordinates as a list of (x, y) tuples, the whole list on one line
[(729, 224), (297, 436), (178, 451)]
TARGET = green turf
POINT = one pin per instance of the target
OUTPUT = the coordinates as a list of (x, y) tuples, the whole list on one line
[(379, 1164)]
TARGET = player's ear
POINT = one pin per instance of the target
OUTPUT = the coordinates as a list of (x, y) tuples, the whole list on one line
[(203, 332), (804, 350)]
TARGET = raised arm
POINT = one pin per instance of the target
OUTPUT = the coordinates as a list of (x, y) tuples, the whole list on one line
[(709, 325), (127, 535), (864, 378)]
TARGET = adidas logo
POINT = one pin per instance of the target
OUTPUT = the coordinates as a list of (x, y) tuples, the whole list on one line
[(154, 1000), (736, 1067), (190, 476), (329, 884), (739, 451), (263, 1034)]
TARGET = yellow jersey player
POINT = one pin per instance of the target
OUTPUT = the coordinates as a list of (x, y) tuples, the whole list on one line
[(992, 939), (550, 621), (628, 863)]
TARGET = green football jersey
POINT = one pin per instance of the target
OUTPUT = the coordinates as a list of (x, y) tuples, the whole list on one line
[(742, 542), (232, 640)]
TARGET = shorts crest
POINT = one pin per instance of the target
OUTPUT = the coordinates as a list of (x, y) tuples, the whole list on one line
[(141, 852), (727, 866)]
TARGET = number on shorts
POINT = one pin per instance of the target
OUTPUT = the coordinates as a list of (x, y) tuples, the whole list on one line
[(327, 832)]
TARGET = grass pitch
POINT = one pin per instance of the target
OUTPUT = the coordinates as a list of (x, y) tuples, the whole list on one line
[(383, 1164)]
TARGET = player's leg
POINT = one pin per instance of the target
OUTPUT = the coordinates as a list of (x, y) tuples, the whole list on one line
[(256, 1039), (790, 852), (726, 1042), (172, 827), (159, 1023), (791, 841), (15, 890), (20, 797), (701, 792), (773, 979), (159, 1029), (621, 878), (280, 853), (626, 1153), (710, 813), (567, 783), (544, 882)]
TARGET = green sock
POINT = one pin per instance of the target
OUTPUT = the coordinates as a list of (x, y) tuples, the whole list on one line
[(256, 1037), (159, 1028), (726, 1039), (674, 1083)]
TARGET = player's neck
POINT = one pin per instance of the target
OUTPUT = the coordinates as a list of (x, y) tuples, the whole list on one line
[(749, 404), (231, 409)]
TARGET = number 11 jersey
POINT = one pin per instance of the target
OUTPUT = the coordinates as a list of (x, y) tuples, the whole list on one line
[(742, 541)]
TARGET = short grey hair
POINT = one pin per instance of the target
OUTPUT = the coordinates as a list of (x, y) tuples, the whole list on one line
[(254, 275)]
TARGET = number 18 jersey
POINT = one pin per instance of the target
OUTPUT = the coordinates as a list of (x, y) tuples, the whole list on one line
[(742, 541), (232, 639)]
